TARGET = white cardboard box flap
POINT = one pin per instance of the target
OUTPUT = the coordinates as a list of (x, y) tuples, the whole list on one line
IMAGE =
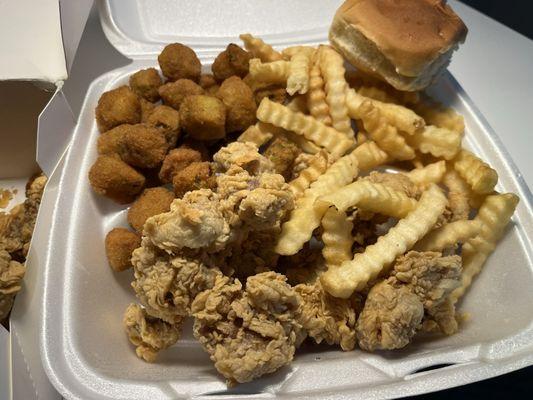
[(141, 28)]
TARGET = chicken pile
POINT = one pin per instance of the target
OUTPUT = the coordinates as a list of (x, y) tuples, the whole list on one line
[(211, 258)]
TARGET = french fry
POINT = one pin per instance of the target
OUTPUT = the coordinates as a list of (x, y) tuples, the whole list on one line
[(290, 51), (337, 237), (354, 275), (255, 135), (431, 173), (317, 166), (304, 219), (275, 72), (398, 116), (478, 174), (494, 215), (333, 141), (448, 235), (458, 195), (360, 137), (440, 116), (266, 129), (370, 156), (439, 142), (259, 48), (316, 96), (332, 69), (298, 79), (385, 135), (375, 93), (368, 196)]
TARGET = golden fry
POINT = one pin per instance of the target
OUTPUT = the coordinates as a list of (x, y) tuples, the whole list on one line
[(337, 237), (478, 174), (439, 142), (449, 235), (370, 156), (272, 73), (431, 173), (317, 166), (259, 48), (298, 79), (316, 96)]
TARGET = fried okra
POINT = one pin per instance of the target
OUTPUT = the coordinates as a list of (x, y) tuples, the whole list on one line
[(145, 83), (151, 202), (232, 61), (206, 81), (116, 107), (167, 120), (282, 152), (240, 104), (177, 160), (179, 62), (173, 93), (146, 109), (111, 177), (119, 244), (203, 117), (195, 176), (279, 95)]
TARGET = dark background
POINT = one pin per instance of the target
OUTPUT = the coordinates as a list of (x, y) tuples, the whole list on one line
[(517, 15)]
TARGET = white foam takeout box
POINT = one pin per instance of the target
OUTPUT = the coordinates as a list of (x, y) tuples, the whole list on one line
[(84, 350)]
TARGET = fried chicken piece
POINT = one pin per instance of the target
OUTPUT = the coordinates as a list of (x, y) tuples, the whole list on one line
[(111, 177), (240, 104), (203, 117), (150, 335), (177, 160), (327, 318), (167, 120), (165, 284), (243, 155), (232, 61), (151, 202), (145, 83), (196, 175), (248, 333), (282, 152), (119, 245), (11, 274), (390, 318), (420, 283), (173, 93), (178, 61), (398, 182), (116, 107), (279, 95)]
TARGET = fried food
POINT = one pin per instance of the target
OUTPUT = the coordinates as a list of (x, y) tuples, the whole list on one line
[(167, 120), (259, 49), (146, 109), (232, 61), (203, 117), (178, 61), (177, 160), (316, 96), (111, 177), (337, 237), (145, 83), (151, 202), (477, 173), (116, 107), (282, 152), (315, 167), (298, 79), (11, 274), (119, 245), (277, 94), (240, 104), (173, 93), (196, 175), (207, 81)]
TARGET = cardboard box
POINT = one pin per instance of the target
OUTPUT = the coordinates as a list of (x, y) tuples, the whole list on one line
[(38, 41)]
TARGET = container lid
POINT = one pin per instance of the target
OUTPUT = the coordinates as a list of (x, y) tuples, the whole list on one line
[(142, 28)]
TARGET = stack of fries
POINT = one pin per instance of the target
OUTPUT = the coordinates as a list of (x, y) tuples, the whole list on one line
[(355, 124)]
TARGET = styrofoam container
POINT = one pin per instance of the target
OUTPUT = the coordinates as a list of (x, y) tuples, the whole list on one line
[(84, 348)]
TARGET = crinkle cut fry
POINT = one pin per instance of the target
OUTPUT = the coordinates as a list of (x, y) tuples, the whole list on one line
[(332, 140), (494, 214), (439, 142), (369, 196), (255, 135), (477, 173), (316, 96), (298, 79), (458, 195), (305, 218), (259, 48), (317, 166), (337, 237), (431, 173), (332, 69), (370, 156), (400, 117), (449, 235), (385, 135), (354, 275), (438, 115), (276, 72)]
